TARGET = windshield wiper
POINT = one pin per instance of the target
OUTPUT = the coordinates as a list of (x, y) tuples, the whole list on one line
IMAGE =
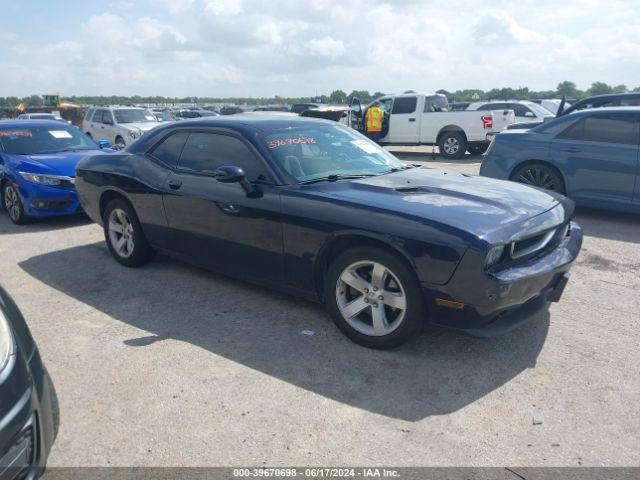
[(333, 178)]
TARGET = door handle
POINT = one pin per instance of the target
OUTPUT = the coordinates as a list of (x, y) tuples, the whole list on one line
[(570, 150), (412, 119), (175, 184)]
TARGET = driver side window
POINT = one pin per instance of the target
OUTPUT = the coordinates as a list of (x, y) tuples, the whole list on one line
[(203, 153)]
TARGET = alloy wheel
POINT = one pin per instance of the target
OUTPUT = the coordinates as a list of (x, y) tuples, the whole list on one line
[(537, 177), (12, 203), (371, 298), (451, 146), (121, 233)]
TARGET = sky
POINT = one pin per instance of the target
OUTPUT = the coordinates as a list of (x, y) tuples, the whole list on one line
[(222, 48)]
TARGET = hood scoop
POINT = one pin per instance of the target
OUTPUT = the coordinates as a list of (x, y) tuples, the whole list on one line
[(413, 190)]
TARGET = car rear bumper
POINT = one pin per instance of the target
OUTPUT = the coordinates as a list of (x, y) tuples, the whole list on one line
[(501, 301)]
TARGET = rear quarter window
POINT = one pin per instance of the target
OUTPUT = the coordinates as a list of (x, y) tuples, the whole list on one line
[(605, 129)]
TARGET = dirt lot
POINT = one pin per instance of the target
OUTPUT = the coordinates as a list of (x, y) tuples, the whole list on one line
[(171, 365)]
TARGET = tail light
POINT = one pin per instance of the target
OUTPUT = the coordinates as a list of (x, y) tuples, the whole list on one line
[(487, 121)]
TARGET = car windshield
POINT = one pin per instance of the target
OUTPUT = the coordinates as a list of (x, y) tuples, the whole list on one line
[(33, 140), (134, 115), (44, 116), (539, 109), (314, 153)]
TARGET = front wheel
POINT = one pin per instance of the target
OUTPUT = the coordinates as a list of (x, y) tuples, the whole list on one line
[(478, 148), (539, 175), (120, 144), (452, 145), (374, 298), (13, 205), (124, 235)]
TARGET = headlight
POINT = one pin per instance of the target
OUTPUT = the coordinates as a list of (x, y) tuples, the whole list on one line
[(135, 133), (493, 256), (6, 341), (42, 179)]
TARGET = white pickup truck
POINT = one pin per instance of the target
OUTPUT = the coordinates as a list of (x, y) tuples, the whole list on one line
[(413, 119)]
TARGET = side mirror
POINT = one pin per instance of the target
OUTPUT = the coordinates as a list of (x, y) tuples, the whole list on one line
[(529, 114), (103, 143), (231, 174), (107, 121)]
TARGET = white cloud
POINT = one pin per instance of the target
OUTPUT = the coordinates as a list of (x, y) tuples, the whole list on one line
[(288, 47), (327, 47), (499, 29)]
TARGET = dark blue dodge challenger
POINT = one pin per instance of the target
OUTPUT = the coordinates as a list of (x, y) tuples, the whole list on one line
[(317, 210)]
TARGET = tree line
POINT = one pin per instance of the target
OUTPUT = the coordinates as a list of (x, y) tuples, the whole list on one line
[(565, 88)]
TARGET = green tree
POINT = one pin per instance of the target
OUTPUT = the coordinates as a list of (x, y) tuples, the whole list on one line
[(567, 89), (338, 96), (619, 89), (599, 88)]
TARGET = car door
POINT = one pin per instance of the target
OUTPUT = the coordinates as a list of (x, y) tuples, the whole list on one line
[(522, 112), (218, 225), (108, 127), (599, 155), (404, 122)]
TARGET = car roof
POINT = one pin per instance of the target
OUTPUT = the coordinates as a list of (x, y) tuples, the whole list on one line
[(598, 111), (246, 124), (30, 123)]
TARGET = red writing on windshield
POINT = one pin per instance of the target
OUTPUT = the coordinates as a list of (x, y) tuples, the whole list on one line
[(290, 141), (15, 134)]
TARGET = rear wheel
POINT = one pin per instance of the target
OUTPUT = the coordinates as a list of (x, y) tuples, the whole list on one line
[(13, 204), (539, 175), (452, 145), (374, 298), (124, 235), (478, 148)]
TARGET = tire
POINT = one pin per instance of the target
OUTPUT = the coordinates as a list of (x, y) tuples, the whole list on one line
[(478, 148), (120, 143), (121, 222), (539, 175), (12, 203), (452, 145), (377, 324), (88, 134)]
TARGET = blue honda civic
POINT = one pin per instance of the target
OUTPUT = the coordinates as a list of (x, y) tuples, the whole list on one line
[(37, 167), (591, 156)]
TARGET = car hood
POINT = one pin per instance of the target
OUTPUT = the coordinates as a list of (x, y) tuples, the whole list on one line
[(144, 126), (477, 205), (63, 163)]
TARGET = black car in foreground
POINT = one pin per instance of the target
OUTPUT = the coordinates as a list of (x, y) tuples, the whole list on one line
[(315, 209), (26, 399)]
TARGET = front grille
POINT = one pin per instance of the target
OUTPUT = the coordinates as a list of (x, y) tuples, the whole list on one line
[(539, 243)]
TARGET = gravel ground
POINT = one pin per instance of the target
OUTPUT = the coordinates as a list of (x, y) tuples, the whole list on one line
[(171, 365)]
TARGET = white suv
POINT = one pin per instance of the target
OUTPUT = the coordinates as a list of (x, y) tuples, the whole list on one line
[(120, 126)]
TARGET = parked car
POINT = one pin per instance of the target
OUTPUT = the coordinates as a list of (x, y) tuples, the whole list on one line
[(230, 110), (313, 208), (590, 156), (524, 110), (27, 399), (301, 107), (41, 116), (413, 119), (120, 126), (37, 167), (193, 113), (603, 101), (551, 104), (163, 115)]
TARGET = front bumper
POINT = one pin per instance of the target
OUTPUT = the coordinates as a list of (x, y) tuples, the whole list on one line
[(500, 301), (26, 418), (46, 201)]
